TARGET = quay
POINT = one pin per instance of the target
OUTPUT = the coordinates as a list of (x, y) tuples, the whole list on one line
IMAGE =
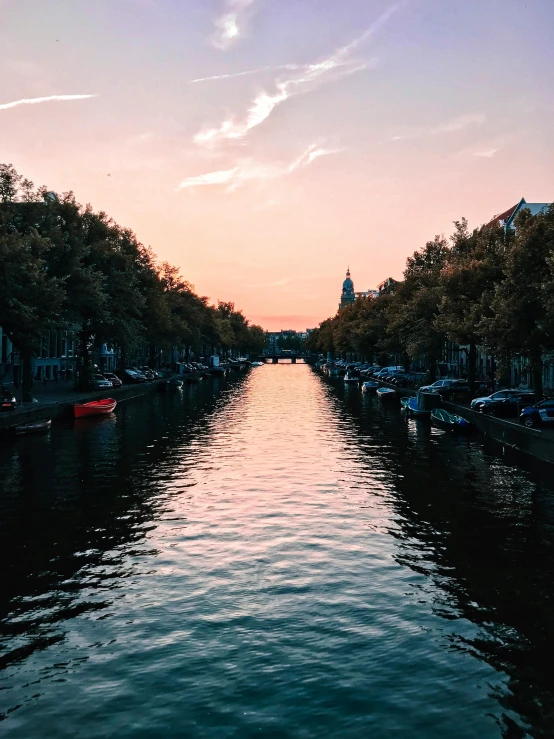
[(60, 404), (538, 443), (511, 435), (63, 407)]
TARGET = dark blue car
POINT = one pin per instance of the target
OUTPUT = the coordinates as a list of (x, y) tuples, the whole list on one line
[(540, 413)]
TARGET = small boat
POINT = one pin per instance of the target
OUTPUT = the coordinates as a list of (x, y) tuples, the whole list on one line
[(190, 377), (386, 393), (369, 387), (350, 378), (175, 382), (404, 402), (450, 421), (415, 408), (35, 427), (94, 408), (257, 364)]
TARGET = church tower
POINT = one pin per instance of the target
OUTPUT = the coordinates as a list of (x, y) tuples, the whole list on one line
[(347, 297)]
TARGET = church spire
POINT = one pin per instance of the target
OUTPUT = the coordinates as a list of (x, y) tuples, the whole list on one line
[(348, 296)]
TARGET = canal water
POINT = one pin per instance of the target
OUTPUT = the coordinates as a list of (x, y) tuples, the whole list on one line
[(275, 556)]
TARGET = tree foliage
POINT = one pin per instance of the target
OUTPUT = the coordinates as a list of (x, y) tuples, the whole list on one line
[(65, 265), (487, 288)]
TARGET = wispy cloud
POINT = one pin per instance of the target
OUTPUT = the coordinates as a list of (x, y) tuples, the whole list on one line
[(339, 64), (460, 123), (36, 101), (248, 72), (454, 125), (487, 153), (488, 148), (223, 177), (228, 26), (248, 171)]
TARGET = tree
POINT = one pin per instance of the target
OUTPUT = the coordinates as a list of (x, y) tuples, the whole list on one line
[(30, 297), (68, 266), (468, 280), (9, 183), (416, 304), (520, 320)]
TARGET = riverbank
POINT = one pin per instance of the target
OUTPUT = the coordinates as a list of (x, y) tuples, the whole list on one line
[(62, 406), (537, 443)]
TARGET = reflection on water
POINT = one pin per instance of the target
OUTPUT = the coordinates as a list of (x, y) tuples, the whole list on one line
[(275, 556)]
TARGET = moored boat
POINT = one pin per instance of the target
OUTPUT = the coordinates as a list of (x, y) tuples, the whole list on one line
[(94, 408), (350, 378), (191, 377), (34, 427), (416, 408), (386, 393), (404, 402), (450, 421), (175, 382), (369, 387), (257, 364)]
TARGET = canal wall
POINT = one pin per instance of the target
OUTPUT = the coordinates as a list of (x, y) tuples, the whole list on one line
[(64, 406), (537, 443), (511, 434)]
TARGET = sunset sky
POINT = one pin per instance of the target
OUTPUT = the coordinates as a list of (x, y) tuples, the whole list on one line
[(265, 145)]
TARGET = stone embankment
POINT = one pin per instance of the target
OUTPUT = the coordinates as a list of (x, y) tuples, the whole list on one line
[(538, 443), (63, 406)]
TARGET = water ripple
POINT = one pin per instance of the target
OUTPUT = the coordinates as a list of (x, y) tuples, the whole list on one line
[(273, 556)]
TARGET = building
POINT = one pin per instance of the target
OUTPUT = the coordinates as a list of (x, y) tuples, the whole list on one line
[(287, 341), (387, 287), (506, 219), (348, 296), (368, 294)]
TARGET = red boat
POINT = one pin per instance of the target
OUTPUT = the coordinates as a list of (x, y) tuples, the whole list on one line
[(94, 408)]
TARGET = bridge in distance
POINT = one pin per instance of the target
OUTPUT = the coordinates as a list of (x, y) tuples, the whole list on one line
[(292, 358)]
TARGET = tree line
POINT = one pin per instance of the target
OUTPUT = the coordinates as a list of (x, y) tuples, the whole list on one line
[(491, 288), (65, 265)]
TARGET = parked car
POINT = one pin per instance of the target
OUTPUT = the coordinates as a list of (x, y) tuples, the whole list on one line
[(129, 376), (99, 382), (139, 374), (114, 379), (504, 403), (447, 388), (7, 400), (381, 374), (538, 414), (148, 373)]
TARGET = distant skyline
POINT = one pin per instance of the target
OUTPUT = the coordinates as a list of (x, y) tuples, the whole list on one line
[(264, 146)]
